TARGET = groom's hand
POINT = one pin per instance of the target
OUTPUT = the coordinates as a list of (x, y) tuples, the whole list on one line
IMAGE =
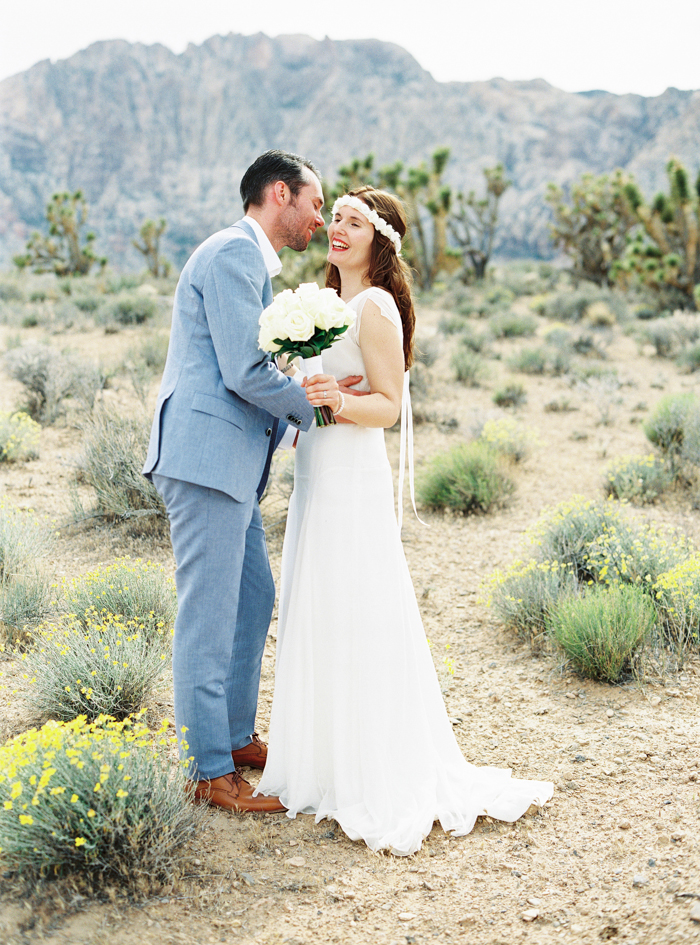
[(345, 386)]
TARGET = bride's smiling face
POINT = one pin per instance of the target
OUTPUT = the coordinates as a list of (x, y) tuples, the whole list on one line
[(350, 236)]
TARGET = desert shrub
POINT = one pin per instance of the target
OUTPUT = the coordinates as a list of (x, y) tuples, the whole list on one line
[(10, 291), (95, 799), (426, 352), (88, 302), (566, 533), (508, 437), (689, 359), (469, 367), (477, 341), (602, 632), (603, 392), (469, 478), (512, 325), (146, 361), (19, 436), (134, 590), (524, 596), (128, 309), (101, 664), (529, 361), (25, 591), (670, 334), (674, 426), (512, 395), (677, 595), (452, 324), (639, 479), (573, 306), (559, 405), (50, 379), (114, 451), (123, 282)]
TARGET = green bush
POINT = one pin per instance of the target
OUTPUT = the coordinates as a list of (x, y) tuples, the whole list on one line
[(128, 310), (469, 478), (674, 426), (639, 479), (524, 596), (689, 359), (135, 590), (19, 436), (469, 367), (25, 591), (477, 341), (114, 451), (98, 800), (51, 379), (507, 437), (512, 395), (512, 325), (529, 361), (573, 306), (101, 664), (677, 595), (602, 632)]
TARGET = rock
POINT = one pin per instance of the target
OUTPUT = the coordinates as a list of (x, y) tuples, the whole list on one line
[(576, 929), (468, 919), (534, 901), (624, 825), (293, 843), (673, 886), (695, 913), (610, 713), (654, 701), (530, 915), (406, 916), (639, 879), (296, 861)]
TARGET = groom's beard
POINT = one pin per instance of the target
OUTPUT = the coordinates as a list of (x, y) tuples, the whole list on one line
[(295, 234)]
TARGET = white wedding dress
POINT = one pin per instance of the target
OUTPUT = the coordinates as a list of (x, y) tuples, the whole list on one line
[(359, 732)]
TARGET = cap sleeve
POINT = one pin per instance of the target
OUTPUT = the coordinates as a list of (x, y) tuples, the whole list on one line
[(387, 306)]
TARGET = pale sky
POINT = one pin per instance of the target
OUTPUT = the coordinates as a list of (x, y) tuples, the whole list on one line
[(577, 45)]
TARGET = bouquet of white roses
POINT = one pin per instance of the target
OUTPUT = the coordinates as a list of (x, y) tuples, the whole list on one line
[(303, 323)]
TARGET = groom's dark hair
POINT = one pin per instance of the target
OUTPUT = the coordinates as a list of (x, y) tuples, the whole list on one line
[(270, 167)]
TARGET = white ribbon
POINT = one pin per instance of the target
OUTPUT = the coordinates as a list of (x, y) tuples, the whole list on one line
[(406, 441)]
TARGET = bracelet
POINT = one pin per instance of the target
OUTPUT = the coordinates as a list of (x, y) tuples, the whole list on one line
[(287, 368), (342, 404)]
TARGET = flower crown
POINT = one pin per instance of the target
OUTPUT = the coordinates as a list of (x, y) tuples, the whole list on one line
[(381, 225)]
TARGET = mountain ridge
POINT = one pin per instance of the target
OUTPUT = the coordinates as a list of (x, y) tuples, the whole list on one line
[(146, 132)]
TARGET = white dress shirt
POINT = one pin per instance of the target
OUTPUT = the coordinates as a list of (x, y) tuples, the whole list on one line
[(274, 268)]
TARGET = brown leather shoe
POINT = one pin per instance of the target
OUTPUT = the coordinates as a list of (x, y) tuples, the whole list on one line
[(233, 792), (253, 755)]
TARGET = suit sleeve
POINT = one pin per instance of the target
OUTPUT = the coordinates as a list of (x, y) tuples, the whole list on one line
[(232, 293)]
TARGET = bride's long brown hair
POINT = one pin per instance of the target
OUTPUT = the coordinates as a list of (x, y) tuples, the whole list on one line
[(386, 268)]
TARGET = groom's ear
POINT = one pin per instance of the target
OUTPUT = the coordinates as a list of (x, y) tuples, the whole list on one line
[(280, 192)]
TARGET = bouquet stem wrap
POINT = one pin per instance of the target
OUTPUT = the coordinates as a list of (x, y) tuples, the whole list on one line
[(324, 414)]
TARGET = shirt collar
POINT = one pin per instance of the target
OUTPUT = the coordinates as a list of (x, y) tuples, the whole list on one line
[(272, 260)]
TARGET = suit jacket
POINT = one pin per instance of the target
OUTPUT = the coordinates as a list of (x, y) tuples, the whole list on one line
[(214, 423)]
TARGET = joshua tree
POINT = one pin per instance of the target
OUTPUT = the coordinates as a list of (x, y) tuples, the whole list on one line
[(427, 202), (149, 246), (663, 255), (474, 221), (61, 251), (592, 228)]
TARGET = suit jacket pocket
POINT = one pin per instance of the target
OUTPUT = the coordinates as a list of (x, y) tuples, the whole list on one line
[(216, 407)]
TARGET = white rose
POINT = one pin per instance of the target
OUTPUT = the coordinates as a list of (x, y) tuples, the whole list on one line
[(273, 321), (336, 312), (266, 339), (307, 291), (284, 301), (299, 325)]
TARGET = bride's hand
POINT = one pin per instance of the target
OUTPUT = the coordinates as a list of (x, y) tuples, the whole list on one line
[(322, 390)]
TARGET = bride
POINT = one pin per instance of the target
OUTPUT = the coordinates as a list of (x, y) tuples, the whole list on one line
[(359, 732)]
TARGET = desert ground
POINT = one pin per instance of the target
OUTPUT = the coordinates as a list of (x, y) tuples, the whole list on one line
[(614, 856)]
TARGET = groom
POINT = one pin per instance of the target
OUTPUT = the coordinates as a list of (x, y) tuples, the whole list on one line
[(221, 411)]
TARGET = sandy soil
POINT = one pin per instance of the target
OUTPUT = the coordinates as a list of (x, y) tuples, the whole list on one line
[(614, 856)]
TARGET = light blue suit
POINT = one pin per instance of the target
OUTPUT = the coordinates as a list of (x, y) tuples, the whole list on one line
[(221, 411)]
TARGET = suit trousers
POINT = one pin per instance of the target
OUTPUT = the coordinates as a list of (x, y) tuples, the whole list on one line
[(225, 596)]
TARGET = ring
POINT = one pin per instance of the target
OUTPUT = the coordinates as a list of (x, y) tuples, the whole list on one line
[(325, 394)]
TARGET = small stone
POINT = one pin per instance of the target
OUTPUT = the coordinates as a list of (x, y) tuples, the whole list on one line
[(197, 862), (236, 923), (695, 913), (468, 919), (247, 879), (673, 886), (577, 929), (624, 825), (530, 915), (293, 843), (607, 770), (639, 879), (406, 916), (580, 758), (296, 861), (534, 901), (610, 713), (618, 761), (654, 701)]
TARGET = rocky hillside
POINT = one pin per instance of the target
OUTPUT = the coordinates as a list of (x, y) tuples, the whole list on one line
[(146, 132)]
